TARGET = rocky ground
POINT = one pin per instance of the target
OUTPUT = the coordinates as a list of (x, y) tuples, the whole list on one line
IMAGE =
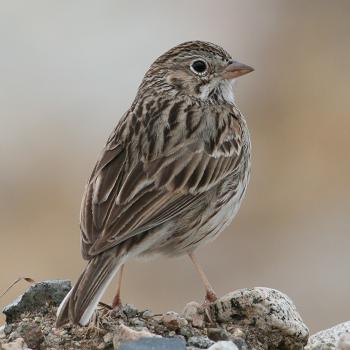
[(246, 319)]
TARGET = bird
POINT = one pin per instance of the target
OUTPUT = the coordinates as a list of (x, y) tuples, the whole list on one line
[(171, 176)]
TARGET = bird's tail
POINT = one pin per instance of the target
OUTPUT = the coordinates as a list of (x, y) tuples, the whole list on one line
[(81, 301)]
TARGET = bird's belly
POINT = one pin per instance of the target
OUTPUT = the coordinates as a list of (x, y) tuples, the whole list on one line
[(185, 234)]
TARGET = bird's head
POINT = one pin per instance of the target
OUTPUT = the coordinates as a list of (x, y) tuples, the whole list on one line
[(198, 69)]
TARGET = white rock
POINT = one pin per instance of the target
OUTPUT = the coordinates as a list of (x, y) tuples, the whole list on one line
[(125, 334), (224, 345), (331, 338), (266, 312), (18, 344)]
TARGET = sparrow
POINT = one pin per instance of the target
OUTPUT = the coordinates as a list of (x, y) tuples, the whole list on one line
[(171, 176)]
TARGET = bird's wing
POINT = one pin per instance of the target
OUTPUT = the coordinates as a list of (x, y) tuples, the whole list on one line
[(120, 203)]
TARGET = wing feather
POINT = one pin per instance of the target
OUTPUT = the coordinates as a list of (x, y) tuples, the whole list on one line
[(122, 201)]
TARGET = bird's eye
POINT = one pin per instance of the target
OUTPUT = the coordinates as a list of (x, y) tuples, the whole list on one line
[(199, 67)]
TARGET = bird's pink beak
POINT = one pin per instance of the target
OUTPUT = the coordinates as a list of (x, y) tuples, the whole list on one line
[(236, 69)]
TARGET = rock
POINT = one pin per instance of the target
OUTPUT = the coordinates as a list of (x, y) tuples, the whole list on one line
[(329, 339), (137, 322), (267, 316), (18, 344), (200, 342), (173, 321), (30, 332), (147, 314), (108, 337), (129, 310), (2, 332), (126, 334), (224, 345), (37, 296), (154, 344), (194, 313), (217, 334)]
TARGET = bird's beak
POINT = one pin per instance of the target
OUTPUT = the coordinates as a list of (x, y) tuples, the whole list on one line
[(236, 69)]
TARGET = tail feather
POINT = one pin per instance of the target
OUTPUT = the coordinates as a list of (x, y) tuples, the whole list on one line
[(80, 303)]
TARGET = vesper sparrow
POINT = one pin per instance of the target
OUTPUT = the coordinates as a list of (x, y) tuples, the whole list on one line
[(171, 176)]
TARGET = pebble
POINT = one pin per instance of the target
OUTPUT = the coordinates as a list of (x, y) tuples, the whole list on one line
[(173, 321), (18, 344), (125, 334), (108, 337), (129, 310), (147, 314), (2, 332), (217, 334), (224, 345), (194, 313), (200, 342)]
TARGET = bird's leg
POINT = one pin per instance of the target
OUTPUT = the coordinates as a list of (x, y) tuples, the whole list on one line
[(210, 294), (116, 300)]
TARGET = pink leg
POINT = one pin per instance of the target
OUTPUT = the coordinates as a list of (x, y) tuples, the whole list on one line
[(116, 300), (210, 294)]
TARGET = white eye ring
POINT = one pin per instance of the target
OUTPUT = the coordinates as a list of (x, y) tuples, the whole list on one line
[(199, 67)]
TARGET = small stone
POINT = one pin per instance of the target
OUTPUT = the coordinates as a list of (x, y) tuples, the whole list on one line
[(125, 334), (217, 334), (129, 310), (2, 332), (18, 344), (186, 332), (108, 338), (154, 344), (8, 329), (224, 345), (137, 322), (329, 338), (267, 315), (147, 314), (173, 321), (194, 313), (36, 297), (31, 333), (200, 342)]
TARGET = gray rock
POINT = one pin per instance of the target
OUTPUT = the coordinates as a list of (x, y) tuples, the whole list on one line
[(224, 345), (329, 339), (217, 334), (267, 316), (154, 344), (200, 342), (128, 310), (38, 296)]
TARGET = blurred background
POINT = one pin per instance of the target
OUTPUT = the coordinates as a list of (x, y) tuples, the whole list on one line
[(70, 69)]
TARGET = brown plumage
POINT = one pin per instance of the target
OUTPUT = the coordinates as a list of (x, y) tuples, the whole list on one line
[(172, 174)]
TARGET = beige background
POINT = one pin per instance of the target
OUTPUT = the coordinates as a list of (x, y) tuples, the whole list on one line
[(69, 69)]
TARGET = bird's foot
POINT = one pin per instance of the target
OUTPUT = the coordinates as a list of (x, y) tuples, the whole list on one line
[(210, 298)]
